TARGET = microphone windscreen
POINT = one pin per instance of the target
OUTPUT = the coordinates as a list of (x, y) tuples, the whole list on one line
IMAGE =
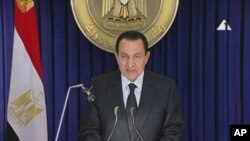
[(116, 111), (132, 111)]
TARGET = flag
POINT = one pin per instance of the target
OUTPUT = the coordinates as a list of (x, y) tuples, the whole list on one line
[(26, 110)]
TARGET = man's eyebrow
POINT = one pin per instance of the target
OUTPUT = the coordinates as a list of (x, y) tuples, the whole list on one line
[(123, 53), (138, 53)]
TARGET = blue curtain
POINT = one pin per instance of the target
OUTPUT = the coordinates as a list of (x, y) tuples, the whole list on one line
[(211, 68)]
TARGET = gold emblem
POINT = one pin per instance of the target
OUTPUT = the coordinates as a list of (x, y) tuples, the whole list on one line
[(101, 21), (124, 14), (25, 5), (25, 108)]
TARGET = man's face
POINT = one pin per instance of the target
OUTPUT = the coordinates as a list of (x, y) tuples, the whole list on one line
[(131, 58)]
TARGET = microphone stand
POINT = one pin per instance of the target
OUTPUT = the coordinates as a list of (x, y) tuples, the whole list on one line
[(116, 113), (65, 105), (132, 112)]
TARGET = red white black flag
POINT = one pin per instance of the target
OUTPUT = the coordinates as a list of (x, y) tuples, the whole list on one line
[(26, 105)]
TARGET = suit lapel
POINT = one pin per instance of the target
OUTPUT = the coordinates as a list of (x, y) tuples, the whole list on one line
[(116, 99)]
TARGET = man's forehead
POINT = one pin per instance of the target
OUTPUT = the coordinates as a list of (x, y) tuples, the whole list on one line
[(131, 46), (134, 53), (126, 43)]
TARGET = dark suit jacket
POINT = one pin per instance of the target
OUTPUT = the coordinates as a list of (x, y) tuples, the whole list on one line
[(159, 116)]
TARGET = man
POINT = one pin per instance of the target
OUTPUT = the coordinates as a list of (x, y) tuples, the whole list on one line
[(149, 105)]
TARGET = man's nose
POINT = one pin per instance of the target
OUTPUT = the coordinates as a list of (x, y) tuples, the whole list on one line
[(130, 62)]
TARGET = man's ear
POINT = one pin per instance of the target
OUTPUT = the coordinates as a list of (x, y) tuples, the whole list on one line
[(147, 57), (116, 56)]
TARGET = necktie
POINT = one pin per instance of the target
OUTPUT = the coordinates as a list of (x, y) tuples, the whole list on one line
[(131, 102)]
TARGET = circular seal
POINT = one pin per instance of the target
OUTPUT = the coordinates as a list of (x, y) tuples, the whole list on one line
[(102, 21)]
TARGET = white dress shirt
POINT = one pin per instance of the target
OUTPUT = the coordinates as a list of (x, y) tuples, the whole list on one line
[(125, 88)]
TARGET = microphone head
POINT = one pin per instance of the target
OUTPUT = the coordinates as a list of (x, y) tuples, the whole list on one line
[(90, 96), (132, 111), (116, 111)]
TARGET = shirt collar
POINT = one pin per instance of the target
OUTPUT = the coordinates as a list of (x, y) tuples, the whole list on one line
[(137, 82)]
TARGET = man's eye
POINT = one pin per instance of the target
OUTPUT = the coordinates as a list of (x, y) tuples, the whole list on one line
[(138, 56), (123, 56)]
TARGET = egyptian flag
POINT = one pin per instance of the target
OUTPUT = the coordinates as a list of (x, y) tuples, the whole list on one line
[(26, 110)]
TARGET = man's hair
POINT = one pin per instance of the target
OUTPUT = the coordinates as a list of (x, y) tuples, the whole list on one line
[(132, 35)]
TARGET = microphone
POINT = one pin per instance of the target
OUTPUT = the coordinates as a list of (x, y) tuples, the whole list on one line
[(87, 91), (132, 112), (91, 97), (116, 113)]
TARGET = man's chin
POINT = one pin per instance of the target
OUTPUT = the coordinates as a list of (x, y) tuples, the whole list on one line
[(131, 78)]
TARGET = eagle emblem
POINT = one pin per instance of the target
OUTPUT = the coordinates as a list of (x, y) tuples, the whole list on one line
[(25, 108), (124, 14)]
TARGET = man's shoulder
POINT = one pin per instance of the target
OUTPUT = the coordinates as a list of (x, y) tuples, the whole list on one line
[(161, 81), (154, 76)]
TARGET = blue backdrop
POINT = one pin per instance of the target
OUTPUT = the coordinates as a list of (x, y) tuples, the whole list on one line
[(212, 68)]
